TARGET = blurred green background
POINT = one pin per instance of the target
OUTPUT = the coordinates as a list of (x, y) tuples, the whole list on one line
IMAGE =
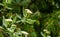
[(29, 18)]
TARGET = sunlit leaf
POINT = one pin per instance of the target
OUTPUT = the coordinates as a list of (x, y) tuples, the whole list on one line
[(30, 21)]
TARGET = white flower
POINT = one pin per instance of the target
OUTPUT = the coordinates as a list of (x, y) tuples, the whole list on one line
[(23, 32), (45, 30), (8, 20), (13, 25), (28, 11)]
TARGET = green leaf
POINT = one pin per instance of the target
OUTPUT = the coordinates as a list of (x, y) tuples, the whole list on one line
[(30, 21), (4, 24), (18, 16), (14, 19), (36, 15)]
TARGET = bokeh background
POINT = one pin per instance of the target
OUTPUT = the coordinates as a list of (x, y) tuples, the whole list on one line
[(29, 18)]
